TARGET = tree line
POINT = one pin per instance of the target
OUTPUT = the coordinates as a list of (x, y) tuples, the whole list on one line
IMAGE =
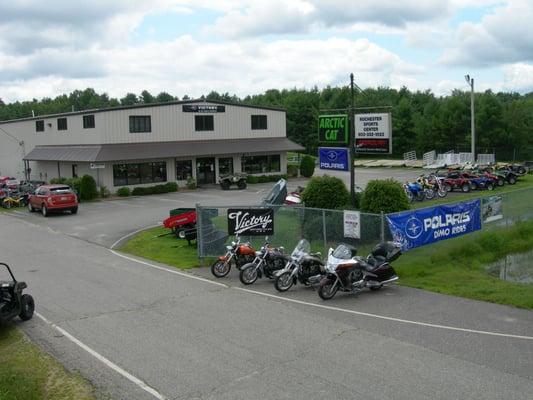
[(421, 121)]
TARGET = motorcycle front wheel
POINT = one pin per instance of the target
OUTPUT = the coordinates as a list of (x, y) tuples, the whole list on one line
[(220, 268), (327, 290), (429, 193), (248, 274), (442, 193), (283, 282)]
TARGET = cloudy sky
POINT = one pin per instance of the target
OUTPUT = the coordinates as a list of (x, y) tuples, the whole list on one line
[(248, 46)]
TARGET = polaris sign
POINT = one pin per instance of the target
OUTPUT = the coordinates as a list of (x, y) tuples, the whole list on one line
[(417, 228), (333, 158)]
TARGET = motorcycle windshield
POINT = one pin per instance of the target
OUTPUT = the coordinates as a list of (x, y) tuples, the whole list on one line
[(303, 247), (342, 252)]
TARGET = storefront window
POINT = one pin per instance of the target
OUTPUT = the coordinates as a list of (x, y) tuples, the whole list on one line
[(183, 169), (261, 164), (225, 166), (134, 174)]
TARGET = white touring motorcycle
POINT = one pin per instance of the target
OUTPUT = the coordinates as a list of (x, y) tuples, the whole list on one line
[(347, 272)]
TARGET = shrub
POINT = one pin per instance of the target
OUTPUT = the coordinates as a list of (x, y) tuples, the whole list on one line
[(264, 179), (88, 189), (123, 192), (326, 192), (252, 179), (385, 196), (292, 171), (139, 191), (58, 181), (171, 186), (75, 184), (104, 192), (191, 183), (307, 166)]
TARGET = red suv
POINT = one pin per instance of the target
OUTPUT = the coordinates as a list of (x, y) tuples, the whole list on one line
[(50, 198)]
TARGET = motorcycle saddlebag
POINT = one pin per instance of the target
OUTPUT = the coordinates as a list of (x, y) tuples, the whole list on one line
[(388, 250)]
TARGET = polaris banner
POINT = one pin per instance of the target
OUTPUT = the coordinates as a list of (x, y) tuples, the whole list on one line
[(333, 158), (412, 229), (251, 221)]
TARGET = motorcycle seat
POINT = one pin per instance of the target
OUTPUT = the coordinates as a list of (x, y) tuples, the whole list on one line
[(371, 263)]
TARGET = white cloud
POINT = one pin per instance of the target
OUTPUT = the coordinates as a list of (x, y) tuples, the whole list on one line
[(503, 36), (518, 77), (186, 66), (301, 16)]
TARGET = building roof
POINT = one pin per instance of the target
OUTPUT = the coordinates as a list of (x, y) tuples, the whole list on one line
[(136, 106), (158, 150)]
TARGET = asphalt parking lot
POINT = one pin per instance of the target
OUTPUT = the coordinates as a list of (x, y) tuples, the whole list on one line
[(186, 336)]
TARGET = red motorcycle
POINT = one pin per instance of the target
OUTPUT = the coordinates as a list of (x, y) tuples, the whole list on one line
[(237, 254)]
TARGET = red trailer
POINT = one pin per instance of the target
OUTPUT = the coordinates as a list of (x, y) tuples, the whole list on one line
[(181, 221)]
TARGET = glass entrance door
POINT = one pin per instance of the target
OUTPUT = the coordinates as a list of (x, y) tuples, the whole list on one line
[(205, 170)]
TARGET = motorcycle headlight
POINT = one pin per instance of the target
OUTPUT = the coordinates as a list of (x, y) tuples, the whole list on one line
[(229, 247), (258, 253)]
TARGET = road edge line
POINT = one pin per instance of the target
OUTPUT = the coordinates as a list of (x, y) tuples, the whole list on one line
[(110, 364)]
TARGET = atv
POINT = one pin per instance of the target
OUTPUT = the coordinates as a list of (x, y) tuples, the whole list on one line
[(238, 179), (12, 301)]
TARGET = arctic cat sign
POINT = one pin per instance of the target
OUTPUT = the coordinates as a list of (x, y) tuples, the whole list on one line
[(333, 129)]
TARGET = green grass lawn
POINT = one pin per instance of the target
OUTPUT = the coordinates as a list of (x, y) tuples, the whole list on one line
[(164, 249), (458, 266), (2, 209), (28, 373)]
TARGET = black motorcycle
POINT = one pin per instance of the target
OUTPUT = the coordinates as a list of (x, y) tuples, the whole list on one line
[(267, 261), (349, 273), (303, 266)]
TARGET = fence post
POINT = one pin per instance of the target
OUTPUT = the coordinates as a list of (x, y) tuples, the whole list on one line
[(324, 228), (199, 234), (382, 227)]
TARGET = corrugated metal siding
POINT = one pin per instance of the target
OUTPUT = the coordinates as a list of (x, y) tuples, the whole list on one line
[(170, 123)]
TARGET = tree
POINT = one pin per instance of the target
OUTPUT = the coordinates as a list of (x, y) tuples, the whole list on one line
[(164, 97), (146, 97), (129, 100)]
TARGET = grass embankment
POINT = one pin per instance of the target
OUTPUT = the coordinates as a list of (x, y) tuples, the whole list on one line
[(28, 373), (524, 182), (458, 266), (164, 249), (2, 209)]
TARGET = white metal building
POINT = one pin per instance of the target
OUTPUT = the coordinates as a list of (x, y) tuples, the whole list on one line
[(147, 144)]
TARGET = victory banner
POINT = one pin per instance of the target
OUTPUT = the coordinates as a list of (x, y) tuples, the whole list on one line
[(251, 221), (416, 228)]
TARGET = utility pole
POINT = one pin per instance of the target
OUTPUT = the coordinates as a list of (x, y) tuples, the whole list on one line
[(351, 142), (470, 82)]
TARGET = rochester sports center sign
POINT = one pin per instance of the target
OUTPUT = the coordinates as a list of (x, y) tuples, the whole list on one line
[(373, 133)]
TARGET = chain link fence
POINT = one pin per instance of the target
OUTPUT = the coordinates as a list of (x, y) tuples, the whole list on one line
[(325, 228), (322, 228)]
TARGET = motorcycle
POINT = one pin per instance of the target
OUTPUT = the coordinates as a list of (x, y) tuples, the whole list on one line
[(294, 198), (303, 266), (267, 261), (237, 253), (414, 191), (347, 272), (438, 185)]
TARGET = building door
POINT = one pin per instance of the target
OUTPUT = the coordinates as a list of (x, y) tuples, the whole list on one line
[(225, 166), (205, 170)]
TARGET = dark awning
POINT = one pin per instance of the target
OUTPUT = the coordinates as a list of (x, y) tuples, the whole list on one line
[(157, 150)]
